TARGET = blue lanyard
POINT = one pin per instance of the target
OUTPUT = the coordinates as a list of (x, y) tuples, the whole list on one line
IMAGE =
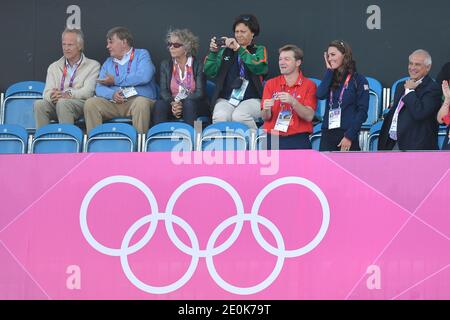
[(241, 67)]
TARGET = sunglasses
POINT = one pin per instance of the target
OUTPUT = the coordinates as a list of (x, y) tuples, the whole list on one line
[(174, 44)]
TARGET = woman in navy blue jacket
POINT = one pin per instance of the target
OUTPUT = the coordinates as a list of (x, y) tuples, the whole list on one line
[(347, 95)]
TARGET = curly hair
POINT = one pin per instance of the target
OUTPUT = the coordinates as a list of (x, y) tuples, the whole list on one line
[(348, 64), (187, 38)]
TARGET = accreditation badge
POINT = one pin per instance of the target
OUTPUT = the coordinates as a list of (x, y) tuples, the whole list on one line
[(182, 94), (129, 92), (283, 121), (334, 118), (237, 95)]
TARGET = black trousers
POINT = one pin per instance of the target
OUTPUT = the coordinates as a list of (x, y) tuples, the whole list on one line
[(331, 138), (192, 109), (292, 142)]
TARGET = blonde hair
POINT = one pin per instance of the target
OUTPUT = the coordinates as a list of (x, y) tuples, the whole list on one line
[(187, 38)]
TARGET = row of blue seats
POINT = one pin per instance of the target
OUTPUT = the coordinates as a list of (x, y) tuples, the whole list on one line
[(368, 136), (121, 137), (163, 137), (17, 103)]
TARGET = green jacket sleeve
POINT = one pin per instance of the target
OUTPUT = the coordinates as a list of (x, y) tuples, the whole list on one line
[(212, 63), (257, 63)]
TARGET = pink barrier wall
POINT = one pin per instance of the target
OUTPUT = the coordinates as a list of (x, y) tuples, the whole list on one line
[(302, 226)]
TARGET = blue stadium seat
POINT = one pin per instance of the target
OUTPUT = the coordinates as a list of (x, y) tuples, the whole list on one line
[(374, 133), (258, 140), (442, 134), (112, 137), (315, 136), (321, 104), (225, 136), (170, 136), (13, 139), (205, 120), (210, 87), (375, 102), (57, 138), (18, 106)]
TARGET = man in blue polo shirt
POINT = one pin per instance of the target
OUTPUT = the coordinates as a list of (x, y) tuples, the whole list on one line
[(126, 84)]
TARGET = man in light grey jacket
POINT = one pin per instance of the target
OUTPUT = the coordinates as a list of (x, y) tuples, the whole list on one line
[(70, 82)]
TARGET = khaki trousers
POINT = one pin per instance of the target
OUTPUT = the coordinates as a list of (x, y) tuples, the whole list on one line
[(246, 112), (97, 110), (65, 111)]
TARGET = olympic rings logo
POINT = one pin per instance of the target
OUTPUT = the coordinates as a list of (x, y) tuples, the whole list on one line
[(195, 252)]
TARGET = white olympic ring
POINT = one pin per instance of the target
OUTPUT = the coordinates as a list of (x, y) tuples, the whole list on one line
[(323, 228), (169, 218), (92, 192), (205, 180)]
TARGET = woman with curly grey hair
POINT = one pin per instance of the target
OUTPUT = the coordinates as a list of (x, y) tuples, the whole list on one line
[(182, 81)]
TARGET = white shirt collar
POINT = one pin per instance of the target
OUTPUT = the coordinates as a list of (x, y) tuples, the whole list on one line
[(124, 59), (411, 90), (188, 64), (77, 63), (420, 79)]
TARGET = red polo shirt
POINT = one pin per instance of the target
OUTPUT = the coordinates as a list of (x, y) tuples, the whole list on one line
[(304, 91), (446, 119)]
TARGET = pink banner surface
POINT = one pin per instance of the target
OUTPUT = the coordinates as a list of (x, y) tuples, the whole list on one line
[(299, 225)]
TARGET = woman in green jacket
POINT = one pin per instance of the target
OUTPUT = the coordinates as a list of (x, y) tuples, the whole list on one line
[(238, 66)]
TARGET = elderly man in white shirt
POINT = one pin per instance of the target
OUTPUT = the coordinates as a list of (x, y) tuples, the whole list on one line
[(70, 82)]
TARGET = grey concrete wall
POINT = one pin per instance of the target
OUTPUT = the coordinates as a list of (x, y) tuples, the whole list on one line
[(31, 30)]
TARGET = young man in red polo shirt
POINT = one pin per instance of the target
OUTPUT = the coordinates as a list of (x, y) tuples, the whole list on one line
[(289, 103)]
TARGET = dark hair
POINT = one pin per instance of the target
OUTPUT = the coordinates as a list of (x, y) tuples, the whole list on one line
[(249, 20), (348, 64), (444, 74), (122, 33)]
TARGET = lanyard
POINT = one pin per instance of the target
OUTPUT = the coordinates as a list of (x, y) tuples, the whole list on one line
[(347, 80), (129, 64), (294, 94), (399, 108), (241, 68), (400, 104), (63, 79), (188, 73)]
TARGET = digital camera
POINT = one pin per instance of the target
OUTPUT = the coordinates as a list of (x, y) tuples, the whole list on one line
[(220, 42)]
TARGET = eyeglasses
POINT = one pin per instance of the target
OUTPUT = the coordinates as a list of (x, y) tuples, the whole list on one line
[(176, 45)]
